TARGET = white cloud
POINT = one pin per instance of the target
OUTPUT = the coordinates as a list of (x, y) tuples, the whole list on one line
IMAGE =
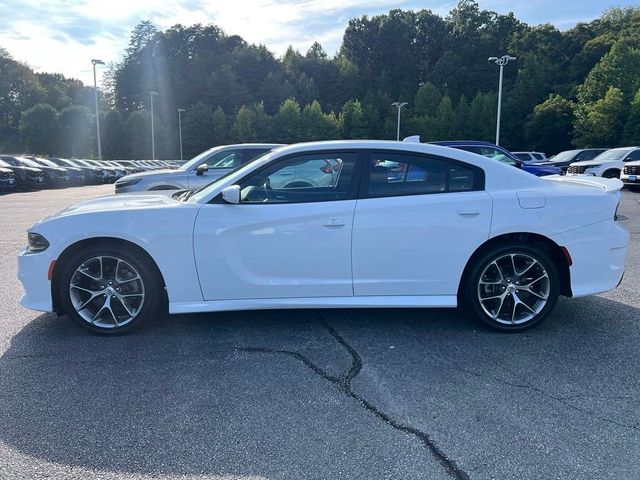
[(63, 35)]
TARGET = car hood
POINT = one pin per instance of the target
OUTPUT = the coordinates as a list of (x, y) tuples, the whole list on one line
[(634, 163), (5, 170), (586, 163), (141, 175), (116, 203), (549, 169)]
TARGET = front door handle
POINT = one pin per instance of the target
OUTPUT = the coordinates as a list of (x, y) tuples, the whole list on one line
[(468, 212), (334, 222)]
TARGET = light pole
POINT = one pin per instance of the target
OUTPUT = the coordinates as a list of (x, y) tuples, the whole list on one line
[(502, 61), (399, 106), (153, 140), (95, 62), (180, 110)]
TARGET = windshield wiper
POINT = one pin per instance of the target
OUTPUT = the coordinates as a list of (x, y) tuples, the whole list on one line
[(184, 195)]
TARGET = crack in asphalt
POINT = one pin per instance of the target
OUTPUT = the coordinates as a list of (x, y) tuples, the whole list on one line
[(343, 383)]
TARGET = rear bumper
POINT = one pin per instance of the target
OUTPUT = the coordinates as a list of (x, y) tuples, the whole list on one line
[(598, 252), (32, 273)]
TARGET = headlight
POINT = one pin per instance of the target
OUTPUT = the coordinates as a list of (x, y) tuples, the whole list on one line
[(37, 243), (127, 183)]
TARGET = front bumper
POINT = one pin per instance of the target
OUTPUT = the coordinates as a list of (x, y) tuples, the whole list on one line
[(32, 273), (598, 252)]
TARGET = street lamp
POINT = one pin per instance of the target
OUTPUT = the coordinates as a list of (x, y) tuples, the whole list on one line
[(153, 141), (95, 62), (399, 106), (180, 111), (502, 61)]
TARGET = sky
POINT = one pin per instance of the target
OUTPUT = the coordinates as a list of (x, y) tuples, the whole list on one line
[(64, 35)]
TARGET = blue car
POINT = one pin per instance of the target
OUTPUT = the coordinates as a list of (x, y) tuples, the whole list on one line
[(491, 150)]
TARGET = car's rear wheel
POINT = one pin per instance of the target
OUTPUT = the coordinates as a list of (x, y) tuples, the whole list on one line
[(109, 290), (513, 287)]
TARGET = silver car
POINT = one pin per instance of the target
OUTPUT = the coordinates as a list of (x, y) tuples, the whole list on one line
[(197, 172)]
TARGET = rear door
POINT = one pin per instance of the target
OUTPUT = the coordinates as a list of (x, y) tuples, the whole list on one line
[(417, 222)]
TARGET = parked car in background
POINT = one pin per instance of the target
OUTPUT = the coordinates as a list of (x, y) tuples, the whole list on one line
[(92, 174), (630, 175), (566, 158), (53, 176), (8, 180), (491, 150), (197, 172), (27, 177), (108, 174), (608, 164), (531, 157), (130, 165), (76, 174), (474, 232)]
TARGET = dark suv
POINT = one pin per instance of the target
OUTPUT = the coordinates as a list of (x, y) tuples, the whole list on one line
[(27, 177), (566, 158), (491, 150)]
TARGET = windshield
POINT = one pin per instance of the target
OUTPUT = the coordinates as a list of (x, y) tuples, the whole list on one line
[(45, 162), (610, 155), (195, 160), (29, 162), (564, 156), (4, 164)]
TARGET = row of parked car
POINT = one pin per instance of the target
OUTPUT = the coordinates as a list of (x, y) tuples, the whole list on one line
[(21, 172), (622, 163)]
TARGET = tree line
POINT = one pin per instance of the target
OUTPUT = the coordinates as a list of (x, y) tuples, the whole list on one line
[(579, 87)]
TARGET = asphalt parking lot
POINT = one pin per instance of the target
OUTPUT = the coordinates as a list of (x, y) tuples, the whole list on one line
[(393, 394)]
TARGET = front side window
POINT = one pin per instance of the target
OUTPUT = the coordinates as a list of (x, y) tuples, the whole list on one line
[(397, 174), (301, 179)]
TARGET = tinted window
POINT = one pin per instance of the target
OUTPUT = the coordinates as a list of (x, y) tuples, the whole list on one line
[(396, 174), (490, 152), (538, 156), (301, 179), (523, 156)]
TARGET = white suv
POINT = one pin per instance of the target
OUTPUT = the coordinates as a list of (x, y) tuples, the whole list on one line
[(608, 164), (531, 157)]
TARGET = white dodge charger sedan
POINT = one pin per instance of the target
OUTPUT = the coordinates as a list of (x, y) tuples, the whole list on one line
[(390, 224)]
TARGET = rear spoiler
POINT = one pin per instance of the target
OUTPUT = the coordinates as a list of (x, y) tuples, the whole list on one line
[(606, 184)]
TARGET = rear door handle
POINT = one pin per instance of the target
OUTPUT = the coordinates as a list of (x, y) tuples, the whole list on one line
[(334, 222), (468, 212)]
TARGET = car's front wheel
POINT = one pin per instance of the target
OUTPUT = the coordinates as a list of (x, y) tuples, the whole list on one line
[(109, 290), (513, 287)]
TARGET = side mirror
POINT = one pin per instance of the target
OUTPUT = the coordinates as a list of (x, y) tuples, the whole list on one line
[(231, 194), (202, 168)]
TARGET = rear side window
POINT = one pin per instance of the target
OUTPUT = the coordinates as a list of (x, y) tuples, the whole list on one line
[(392, 174), (538, 156)]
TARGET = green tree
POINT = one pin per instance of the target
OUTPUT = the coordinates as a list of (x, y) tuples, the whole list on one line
[(251, 124), (75, 129), (427, 99), (550, 126), (287, 122), (444, 119), (221, 134), (39, 129), (352, 122), (602, 122), (631, 132), (113, 136), (138, 128), (317, 125), (197, 129)]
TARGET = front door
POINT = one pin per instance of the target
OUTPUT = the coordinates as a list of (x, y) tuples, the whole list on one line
[(289, 237)]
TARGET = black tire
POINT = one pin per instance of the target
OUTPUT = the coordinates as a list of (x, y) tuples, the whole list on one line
[(611, 173), (473, 289), (154, 298)]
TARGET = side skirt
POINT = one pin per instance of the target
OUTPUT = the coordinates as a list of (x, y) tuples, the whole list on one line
[(433, 301)]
